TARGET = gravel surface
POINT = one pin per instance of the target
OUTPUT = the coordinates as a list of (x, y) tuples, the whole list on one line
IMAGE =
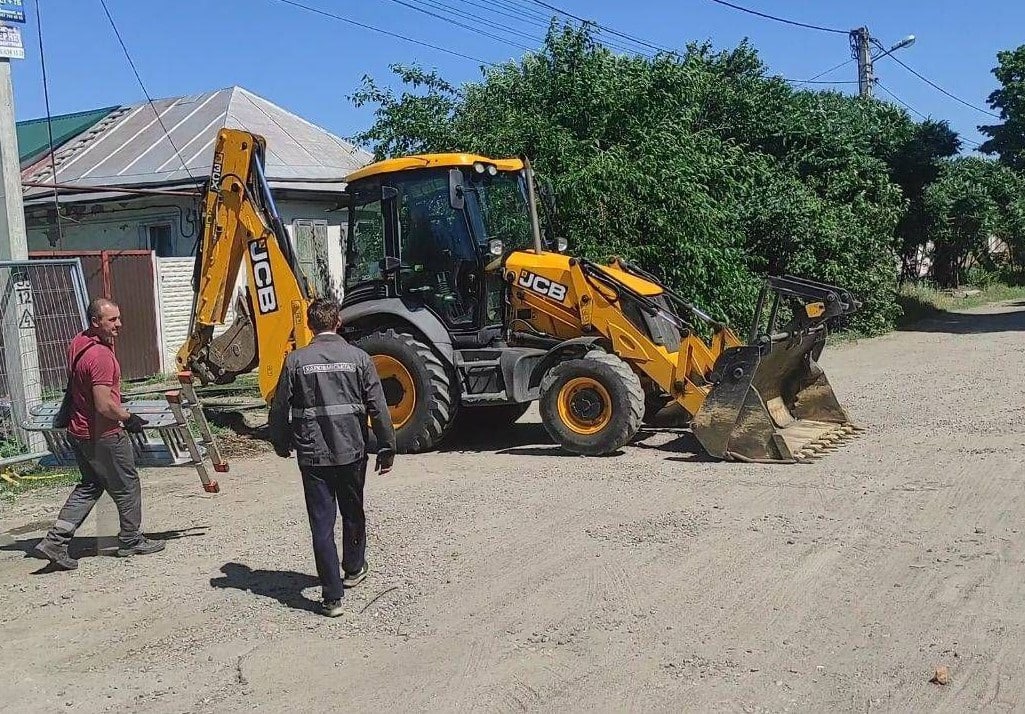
[(507, 576)]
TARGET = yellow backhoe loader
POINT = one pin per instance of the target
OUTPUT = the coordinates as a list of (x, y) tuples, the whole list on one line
[(470, 309)]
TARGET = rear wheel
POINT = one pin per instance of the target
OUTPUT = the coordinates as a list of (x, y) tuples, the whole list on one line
[(417, 387), (592, 406)]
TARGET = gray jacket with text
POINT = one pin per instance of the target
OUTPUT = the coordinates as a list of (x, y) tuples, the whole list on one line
[(324, 395)]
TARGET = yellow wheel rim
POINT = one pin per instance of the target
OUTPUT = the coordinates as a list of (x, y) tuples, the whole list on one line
[(399, 390), (585, 405)]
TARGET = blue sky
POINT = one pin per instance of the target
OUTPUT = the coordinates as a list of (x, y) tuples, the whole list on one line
[(310, 64)]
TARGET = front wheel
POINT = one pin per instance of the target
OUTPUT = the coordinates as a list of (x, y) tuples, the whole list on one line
[(593, 405)]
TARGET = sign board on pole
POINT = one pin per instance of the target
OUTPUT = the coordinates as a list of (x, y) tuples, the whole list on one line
[(25, 306), (12, 10), (10, 43)]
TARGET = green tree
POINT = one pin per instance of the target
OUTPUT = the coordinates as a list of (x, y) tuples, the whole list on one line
[(695, 165), (962, 215), (1007, 140), (915, 165)]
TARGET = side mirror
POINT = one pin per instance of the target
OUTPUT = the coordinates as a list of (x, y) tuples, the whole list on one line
[(455, 189), (389, 265)]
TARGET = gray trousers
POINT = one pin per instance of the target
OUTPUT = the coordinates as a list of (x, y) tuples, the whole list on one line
[(107, 465)]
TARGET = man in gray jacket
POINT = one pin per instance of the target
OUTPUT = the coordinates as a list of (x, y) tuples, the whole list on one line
[(320, 407)]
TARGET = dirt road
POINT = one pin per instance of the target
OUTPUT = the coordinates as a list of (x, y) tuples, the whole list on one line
[(508, 577)]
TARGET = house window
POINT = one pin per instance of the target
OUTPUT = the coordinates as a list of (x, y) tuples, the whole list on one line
[(160, 239)]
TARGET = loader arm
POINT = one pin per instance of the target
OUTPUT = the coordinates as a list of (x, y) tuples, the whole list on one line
[(240, 224)]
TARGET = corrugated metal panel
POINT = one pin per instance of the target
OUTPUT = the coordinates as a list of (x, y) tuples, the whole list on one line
[(132, 288), (134, 150), (127, 278)]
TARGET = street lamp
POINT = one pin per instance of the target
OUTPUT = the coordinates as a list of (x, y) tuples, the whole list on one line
[(906, 42)]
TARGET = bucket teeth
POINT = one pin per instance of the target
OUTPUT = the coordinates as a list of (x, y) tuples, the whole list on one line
[(827, 443)]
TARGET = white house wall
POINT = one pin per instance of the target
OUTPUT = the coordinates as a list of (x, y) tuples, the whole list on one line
[(114, 225)]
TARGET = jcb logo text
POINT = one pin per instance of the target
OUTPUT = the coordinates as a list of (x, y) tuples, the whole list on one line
[(544, 286), (266, 297)]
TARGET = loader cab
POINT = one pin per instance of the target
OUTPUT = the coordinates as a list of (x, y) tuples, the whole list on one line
[(432, 231)]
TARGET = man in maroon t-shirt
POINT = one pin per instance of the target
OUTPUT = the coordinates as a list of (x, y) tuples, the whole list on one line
[(104, 453)]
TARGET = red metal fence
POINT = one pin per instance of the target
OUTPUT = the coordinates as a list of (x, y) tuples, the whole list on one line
[(126, 277)]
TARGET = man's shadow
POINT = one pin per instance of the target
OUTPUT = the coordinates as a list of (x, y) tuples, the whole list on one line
[(91, 546), (285, 586)]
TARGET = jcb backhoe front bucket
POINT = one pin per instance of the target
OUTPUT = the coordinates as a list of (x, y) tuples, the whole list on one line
[(770, 401)]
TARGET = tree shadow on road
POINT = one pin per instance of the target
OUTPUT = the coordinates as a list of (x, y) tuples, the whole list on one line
[(285, 586), (962, 323), (91, 546)]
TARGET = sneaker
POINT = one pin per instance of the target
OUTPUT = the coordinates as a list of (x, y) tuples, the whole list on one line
[(56, 555), (331, 608), (356, 578), (144, 546)]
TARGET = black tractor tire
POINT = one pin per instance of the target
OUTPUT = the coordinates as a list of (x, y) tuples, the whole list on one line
[(611, 419), (487, 418), (435, 402)]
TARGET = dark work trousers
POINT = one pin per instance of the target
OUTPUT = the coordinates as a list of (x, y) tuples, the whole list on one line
[(107, 465), (331, 490)]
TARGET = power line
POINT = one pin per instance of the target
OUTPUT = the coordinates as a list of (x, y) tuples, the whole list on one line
[(944, 91), (49, 126), (522, 13), (471, 28), (340, 18), (825, 72), (915, 111), (823, 81), (443, 7), (524, 7), (899, 100), (145, 91), (780, 19), (636, 40)]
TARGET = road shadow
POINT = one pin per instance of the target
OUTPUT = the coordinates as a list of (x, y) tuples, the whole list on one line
[(963, 323), (685, 447), (553, 450), (285, 586), (467, 437), (91, 546)]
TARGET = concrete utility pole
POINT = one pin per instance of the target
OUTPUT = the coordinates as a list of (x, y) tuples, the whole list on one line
[(860, 39), (20, 356), (14, 245)]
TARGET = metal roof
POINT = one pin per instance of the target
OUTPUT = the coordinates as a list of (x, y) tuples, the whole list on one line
[(130, 147), (34, 134)]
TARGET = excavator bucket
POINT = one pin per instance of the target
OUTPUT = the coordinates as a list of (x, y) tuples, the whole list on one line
[(770, 401)]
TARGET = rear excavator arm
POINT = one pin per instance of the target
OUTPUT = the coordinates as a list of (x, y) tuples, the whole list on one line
[(240, 223)]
